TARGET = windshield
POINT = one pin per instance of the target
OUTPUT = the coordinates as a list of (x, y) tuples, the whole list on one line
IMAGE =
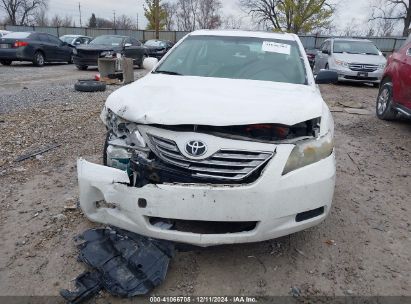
[(155, 43), (236, 58), (355, 47), (108, 40), (67, 39)]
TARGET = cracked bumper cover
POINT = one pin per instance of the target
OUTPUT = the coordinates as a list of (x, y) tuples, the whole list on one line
[(273, 201)]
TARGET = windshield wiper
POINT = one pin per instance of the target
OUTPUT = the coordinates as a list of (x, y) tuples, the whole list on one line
[(167, 73)]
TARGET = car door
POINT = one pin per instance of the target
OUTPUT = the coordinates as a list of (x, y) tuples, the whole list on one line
[(404, 76), (62, 50), (133, 49), (47, 47)]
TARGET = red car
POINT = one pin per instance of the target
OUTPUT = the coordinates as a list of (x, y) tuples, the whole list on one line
[(395, 90)]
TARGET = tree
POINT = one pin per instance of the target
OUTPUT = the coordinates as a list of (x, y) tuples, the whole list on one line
[(21, 12), (208, 16), (393, 11), (124, 22), (232, 22), (104, 23), (40, 18), (296, 16), (58, 21), (171, 14), (187, 14), (150, 12), (92, 23)]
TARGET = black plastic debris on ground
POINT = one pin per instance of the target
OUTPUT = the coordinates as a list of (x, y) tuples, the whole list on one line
[(124, 263)]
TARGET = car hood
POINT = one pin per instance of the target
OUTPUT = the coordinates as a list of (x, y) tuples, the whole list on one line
[(360, 58), (178, 100), (98, 47)]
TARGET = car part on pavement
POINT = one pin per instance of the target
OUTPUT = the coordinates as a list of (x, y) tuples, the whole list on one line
[(125, 264), (90, 86)]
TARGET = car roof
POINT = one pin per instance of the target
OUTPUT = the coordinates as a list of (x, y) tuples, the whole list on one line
[(242, 33)]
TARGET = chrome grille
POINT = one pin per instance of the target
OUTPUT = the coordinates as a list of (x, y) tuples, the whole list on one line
[(226, 164), (358, 67)]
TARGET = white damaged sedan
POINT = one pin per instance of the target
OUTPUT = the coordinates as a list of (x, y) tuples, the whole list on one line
[(226, 140)]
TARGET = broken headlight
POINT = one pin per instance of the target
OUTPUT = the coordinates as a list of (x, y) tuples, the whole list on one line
[(125, 133), (308, 152)]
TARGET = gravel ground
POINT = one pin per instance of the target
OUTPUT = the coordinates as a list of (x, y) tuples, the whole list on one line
[(363, 248)]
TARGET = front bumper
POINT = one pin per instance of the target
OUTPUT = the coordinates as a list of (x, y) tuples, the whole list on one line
[(273, 201), (85, 61), (353, 76)]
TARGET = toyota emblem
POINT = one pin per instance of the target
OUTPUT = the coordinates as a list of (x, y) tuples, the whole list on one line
[(196, 148)]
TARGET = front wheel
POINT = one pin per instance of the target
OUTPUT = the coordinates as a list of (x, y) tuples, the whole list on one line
[(6, 62), (38, 59), (384, 103)]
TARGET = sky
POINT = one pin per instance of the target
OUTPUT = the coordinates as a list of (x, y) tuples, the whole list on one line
[(347, 10)]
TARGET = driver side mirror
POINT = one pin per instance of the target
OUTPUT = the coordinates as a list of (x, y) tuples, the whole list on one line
[(325, 52), (64, 43), (150, 63), (326, 77)]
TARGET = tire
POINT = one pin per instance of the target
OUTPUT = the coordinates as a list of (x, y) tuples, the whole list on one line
[(70, 61), (376, 85), (90, 86), (384, 108), (6, 62), (82, 67), (38, 59)]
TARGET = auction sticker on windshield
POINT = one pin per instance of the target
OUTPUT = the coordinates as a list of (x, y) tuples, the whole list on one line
[(275, 47)]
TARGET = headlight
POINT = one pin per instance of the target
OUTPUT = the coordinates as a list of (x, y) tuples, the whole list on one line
[(126, 132), (75, 51), (382, 66), (342, 63), (309, 152)]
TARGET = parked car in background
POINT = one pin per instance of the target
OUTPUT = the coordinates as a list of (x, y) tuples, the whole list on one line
[(201, 143), (75, 40), (108, 46), (158, 48), (3, 33), (354, 60), (38, 48), (311, 53), (395, 90)]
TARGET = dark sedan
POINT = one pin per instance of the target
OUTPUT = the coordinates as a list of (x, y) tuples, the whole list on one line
[(35, 47), (158, 48), (108, 46)]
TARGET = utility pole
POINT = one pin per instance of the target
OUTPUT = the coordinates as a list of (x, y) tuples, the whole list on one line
[(114, 13), (79, 9), (157, 17), (137, 21)]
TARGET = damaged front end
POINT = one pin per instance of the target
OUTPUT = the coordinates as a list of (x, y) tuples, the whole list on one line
[(157, 154)]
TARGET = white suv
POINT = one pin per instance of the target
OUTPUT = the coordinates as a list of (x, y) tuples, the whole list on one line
[(226, 140)]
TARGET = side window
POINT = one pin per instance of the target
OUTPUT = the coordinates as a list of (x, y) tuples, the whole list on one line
[(54, 40), (43, 38), (324, 46), (329, 47), (135, 42)]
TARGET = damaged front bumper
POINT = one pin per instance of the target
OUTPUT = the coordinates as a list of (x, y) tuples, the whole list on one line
[(278, 204)]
